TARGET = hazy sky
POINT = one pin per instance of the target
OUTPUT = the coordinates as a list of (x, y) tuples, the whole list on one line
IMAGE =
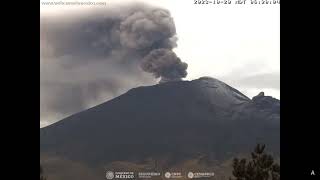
[(238, 44)]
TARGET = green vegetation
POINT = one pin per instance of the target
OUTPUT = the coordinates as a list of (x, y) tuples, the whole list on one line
[(260, 167)]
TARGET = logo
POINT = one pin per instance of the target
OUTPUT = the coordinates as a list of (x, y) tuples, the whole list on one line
[(109, 175), (167, 175), (119, 175), (313, 173), (173, 175), (195, 175), (148, 175), (190, 175)]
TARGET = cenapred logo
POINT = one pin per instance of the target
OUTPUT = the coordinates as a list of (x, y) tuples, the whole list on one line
[(109, 175), (205, 175)]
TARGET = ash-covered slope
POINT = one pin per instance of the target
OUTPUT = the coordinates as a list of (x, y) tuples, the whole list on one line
[(174, 120)]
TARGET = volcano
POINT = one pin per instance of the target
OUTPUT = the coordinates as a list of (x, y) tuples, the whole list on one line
[(169, 122)]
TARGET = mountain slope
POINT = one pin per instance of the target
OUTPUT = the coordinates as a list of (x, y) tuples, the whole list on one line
[(174, 120)]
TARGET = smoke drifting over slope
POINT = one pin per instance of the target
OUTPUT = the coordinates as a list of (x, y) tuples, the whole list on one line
[(92, 56)]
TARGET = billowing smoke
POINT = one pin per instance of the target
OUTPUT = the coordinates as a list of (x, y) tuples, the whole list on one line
[(92, 56), (164, 63)]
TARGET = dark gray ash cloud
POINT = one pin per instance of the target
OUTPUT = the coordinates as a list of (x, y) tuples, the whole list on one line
[(92, 56), (165, 64)]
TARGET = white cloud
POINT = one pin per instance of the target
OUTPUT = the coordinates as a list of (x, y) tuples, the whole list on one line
[(229, 41)]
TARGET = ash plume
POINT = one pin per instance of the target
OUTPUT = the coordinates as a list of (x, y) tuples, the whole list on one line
[(164, 63), (89, 57)]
